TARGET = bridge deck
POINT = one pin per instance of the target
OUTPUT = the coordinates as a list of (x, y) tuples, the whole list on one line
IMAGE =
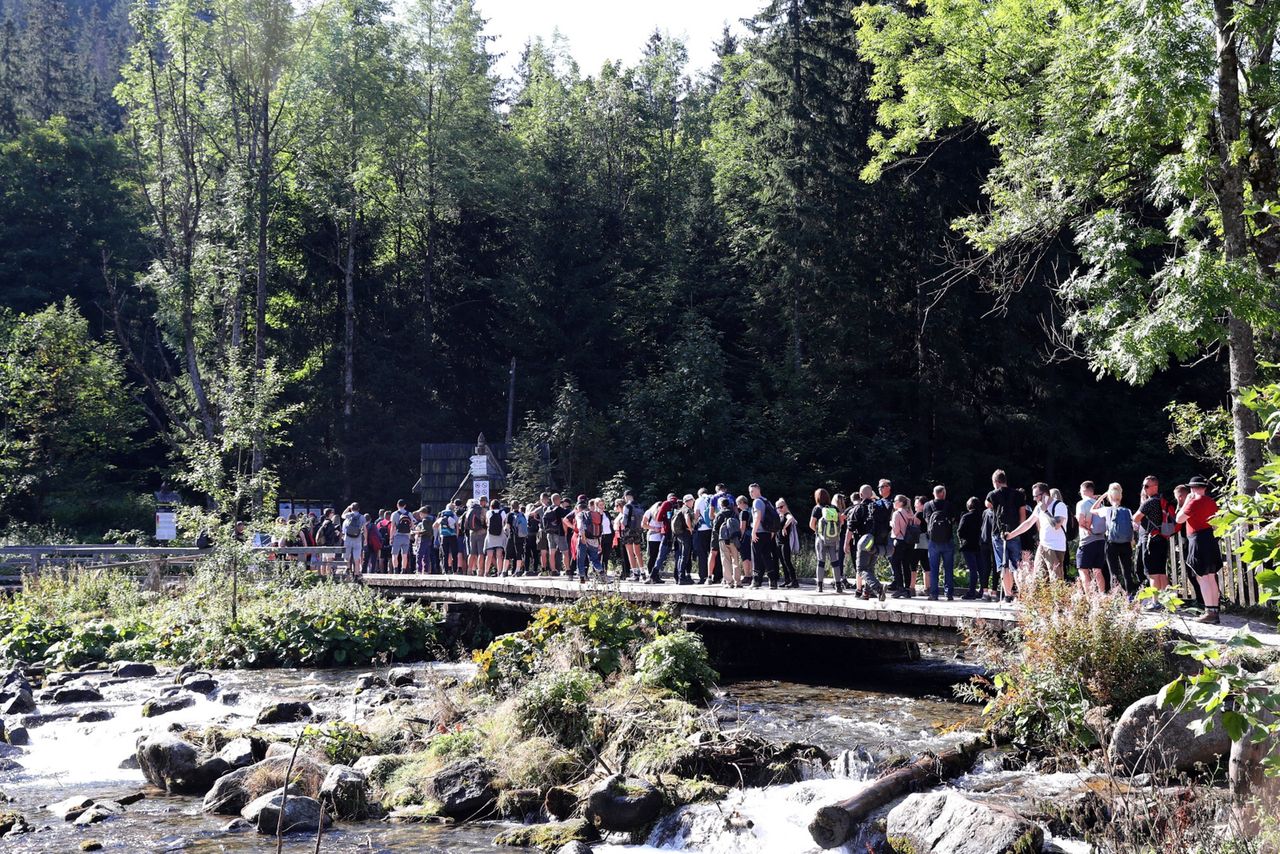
[(802, 611)]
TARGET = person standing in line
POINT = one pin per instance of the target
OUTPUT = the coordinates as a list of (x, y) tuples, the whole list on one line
[(518, 523), (969, 534), (788, 544), (625, 567), (474, 523), (1180, 494), (653, 526), (424, 532), (447, 527), (824, 521), (532, 542), (495, 539), (668, 544), (589, 524), (715, 572), (682, 524), (988, 553), (702, 513), (543, 545), (726, 532), (860, 541), (1091, 554), (1204, 557), (632, 532), (904, 534), (353, 544), (920, 565), (1051, 553), (373, 546), (765, 524), (1155, 523), (881, 527), (553, 529), (401, 533), (1119, 533), (743, 509), (940, 523), (606, 532), (1008, 513)]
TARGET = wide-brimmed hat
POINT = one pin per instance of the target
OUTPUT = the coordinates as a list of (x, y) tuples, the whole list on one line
[(1197, 481)]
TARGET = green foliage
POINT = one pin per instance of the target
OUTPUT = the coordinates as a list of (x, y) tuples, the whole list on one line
[(448, 746), (66, 415), (601, 632), (1071, 658), (678, 663), (343, 742), (556, 705), (288, 620)]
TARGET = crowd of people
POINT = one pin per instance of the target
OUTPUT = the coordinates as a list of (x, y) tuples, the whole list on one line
[(872, 543)]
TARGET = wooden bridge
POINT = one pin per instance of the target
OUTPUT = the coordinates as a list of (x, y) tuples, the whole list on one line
[(788, 612)]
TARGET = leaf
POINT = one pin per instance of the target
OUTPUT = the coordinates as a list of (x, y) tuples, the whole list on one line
[(1171, 695), (1235, 724)]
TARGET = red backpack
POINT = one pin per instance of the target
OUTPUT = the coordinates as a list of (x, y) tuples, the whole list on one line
[(375, 537), (590, 524)]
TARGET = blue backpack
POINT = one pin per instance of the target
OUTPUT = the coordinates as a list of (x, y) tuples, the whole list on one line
[(1120, 526)]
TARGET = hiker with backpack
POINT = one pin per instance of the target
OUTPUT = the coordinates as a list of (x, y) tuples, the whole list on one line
[(1180, 494), (495, 539), (920, 557), (1204, 557), (1050, 515), (702, 514), (1008, 513), (1156, 525), (1119, 533), (940, 518), (474, 523), (631, 533), (353, 538), (447, 526), (824, 521), (969, 537), (401, 532), (424, 535), (788, 538), (589, 523), (765, 524), (373, 546), (726, 533), (682, 525), (1091, 554), (742, 507), (517, 533), (861, 542), (904, 533)]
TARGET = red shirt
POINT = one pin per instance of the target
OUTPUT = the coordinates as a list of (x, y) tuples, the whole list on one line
[(1199, 510), (664, 515)]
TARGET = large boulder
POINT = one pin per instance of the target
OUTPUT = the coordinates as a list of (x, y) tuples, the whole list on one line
[(464, 789), (300, 813), (157, 706), (73, 694), (284, 712), (133, 670), (345, 792), (200, 683), (17, 736), (99, 811), (229, 793), (177, 766), (1150, 739), (950, 823), (232, 791), (624, 804), (19, 702), (401, 677), (238, 753)]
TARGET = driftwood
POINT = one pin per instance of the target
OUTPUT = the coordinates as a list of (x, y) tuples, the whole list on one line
[(835, 823)]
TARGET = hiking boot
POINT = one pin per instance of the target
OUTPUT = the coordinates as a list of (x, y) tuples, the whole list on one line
[(880, 593), (820, 585), (970, 596), (950, 598), (773, 585), (1210, 618)]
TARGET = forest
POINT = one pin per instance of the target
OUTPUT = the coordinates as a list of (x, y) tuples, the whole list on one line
[(306, 239)]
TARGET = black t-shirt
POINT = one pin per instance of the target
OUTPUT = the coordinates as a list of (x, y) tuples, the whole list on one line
[(970, 531), (1004, 501), (552, 520), (1152, 510)]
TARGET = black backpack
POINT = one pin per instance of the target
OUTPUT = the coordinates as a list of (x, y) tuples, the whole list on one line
[(861, 518), (404, 524), (1073, 526), (770, 521), (495, 523), (939, 525), (881, 522)]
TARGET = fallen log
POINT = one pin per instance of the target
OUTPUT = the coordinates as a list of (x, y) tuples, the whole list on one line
[(835, 824)]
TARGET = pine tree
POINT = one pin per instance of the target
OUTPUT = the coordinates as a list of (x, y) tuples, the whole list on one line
[(51, 84), (10, 78)]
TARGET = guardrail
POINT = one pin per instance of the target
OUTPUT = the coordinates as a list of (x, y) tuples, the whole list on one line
[(1236, 580)]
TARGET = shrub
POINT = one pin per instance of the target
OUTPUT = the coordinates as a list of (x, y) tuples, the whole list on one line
[(341, 742), (449, 746), (557, 706), (1069, 655), (677, 662), (605, 630)]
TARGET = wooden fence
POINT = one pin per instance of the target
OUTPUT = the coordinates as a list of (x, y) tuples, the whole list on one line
[(1236, 580)]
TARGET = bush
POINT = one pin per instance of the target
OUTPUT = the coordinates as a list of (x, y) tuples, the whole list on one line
[(557, 706), (605, 630), (677, 662), (1071, 658)]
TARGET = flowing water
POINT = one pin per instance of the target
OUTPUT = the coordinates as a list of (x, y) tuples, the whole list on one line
[(897, 710)]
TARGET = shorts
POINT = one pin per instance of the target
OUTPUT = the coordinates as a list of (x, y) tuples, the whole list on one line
[(494, 541), (1092, 555), (827, 550), (1203, 555), (352, 549), (475, 542), (558, 542), (544, 541), (629, 538), (1049, 560), (400, 544), (1153, 555)]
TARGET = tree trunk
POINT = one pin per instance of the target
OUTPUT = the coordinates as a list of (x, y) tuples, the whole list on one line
[(348, 349), (1242, 354), (265, 166), (835, 824)]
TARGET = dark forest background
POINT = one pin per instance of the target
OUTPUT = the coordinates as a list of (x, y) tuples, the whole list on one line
[(693, 281)]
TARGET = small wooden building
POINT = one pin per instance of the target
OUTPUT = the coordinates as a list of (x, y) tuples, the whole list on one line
[(446, 470)]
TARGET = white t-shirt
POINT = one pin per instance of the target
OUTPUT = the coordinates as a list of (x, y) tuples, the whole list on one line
[(1053, 538)]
